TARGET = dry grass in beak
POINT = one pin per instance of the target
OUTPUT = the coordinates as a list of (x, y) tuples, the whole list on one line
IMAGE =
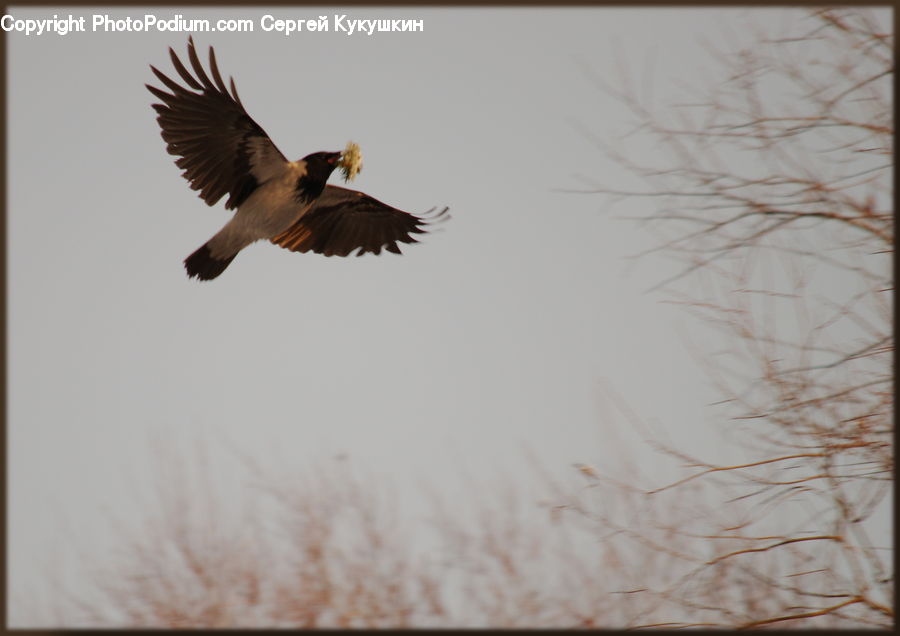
[(351, 161)]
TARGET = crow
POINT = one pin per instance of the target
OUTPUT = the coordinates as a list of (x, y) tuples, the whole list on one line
[(223, 151)]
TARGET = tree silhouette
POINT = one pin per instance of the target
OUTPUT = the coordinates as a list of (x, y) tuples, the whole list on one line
[(771, 186)]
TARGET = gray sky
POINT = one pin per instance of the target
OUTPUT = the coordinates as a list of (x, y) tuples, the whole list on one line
[(492, 336)]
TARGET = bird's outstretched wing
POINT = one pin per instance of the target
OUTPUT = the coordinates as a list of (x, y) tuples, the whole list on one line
[(343, 220), (221, 149)]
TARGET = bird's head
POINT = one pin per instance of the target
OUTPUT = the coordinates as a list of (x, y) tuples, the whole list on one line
[(322, 163), (319, 166)]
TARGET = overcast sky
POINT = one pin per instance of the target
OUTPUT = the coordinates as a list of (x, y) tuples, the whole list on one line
[(492, 336)]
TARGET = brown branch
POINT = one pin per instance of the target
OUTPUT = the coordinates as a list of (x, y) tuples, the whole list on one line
[(775, 545), (821, 612), (715, 469)]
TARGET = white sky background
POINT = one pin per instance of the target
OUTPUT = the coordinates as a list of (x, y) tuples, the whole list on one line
[(491, 337)]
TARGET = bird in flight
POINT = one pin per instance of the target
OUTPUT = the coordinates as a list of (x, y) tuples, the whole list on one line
[(223, 152)]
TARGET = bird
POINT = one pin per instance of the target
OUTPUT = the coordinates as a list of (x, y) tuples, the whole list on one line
[(224, 152)]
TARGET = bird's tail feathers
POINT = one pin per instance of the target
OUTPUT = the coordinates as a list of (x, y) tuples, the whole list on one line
[(202, 265)]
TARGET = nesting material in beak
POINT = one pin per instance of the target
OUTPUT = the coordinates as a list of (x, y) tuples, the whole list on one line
[(351, 161)]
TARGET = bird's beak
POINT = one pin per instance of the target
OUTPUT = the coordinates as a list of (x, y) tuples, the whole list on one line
[(334, 157)]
